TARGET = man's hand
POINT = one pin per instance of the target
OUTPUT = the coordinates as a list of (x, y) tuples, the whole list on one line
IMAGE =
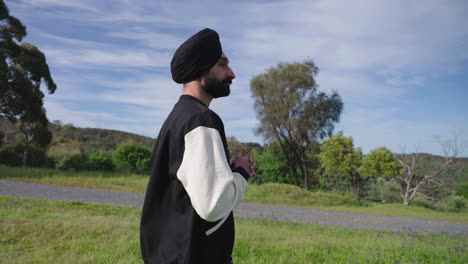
[(246, 162)]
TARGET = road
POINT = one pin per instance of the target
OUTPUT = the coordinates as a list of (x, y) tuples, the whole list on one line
[(279, 213)]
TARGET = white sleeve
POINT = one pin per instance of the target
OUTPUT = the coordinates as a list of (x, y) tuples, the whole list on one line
[(213, 188)]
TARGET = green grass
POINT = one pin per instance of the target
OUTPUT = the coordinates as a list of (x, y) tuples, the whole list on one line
[(274, 194), (39, 231), (114, 181), (288, 195)]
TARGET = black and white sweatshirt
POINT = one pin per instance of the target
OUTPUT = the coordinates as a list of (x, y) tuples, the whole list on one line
[(187, 214)]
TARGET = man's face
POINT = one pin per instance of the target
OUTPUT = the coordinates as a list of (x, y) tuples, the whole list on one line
[(217, 81)]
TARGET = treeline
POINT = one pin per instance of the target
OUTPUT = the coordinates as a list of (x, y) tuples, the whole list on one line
[(341, 167), (68, 154), (376, 177)]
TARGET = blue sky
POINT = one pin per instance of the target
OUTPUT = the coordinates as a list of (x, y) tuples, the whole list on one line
[(401, 67)]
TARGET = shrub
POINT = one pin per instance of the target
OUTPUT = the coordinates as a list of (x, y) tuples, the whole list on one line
[(453, 203), (10, 156), (100, 161), (133, 156), (422, 202), (462, 190), (67, 159), (456, 203), (385, 191), (36, 156), (272, 167)]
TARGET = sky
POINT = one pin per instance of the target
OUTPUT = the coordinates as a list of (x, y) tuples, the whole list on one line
[(400, 67)]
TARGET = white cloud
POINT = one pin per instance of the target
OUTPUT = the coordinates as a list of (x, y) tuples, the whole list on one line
[(83, 5), (89, 58), (376, 54), (150, 38)]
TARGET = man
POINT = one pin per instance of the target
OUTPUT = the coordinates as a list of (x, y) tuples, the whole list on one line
[(187, 214)]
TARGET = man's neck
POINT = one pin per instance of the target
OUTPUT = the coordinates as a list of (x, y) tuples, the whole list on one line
[(195, 89)]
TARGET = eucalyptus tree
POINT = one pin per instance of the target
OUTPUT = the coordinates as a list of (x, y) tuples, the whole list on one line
[(23, 68), (293, 112)]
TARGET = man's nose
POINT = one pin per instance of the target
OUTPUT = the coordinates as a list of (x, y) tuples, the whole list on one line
[(231, 74)]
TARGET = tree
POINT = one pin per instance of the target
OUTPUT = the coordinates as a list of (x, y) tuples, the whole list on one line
[(339, 159), (294, 113), (100, 161), (272, 166), (414, 179), (133, 156), (380, 163), (23, 68)]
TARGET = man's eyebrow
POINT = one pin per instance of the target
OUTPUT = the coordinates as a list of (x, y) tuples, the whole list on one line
[(224, 59)]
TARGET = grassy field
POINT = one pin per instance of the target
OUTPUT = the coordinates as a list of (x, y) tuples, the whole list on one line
[(38, 231), (275, 194), (114, 181)]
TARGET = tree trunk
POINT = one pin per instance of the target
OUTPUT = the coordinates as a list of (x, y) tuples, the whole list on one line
[(304, 176), (25, 155), (296, 177)]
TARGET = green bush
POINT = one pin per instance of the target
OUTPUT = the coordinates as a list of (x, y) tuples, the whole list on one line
[(462, 190), (36, 156), (9, 155), (385, 191), (453, 203), (131, 155), (67, 159), (422, 202), (272, 167), (456, 203), (100, 161), (12, 155)]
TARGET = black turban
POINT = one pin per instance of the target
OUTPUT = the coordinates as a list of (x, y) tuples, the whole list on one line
[(196, 56)]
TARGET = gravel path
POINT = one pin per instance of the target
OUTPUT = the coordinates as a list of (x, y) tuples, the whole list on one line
[(280, 213)]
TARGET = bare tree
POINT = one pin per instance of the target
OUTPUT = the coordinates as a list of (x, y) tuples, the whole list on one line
[(414, 181)]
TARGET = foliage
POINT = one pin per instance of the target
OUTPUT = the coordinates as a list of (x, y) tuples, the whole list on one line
[(423, 202), (10, 156), (462, 190), (64, 159), (23, 67), (379, 163), (385, 191), (454, 203), (132, 155), (95, 139), (272, 166), (100, 161), (339, 157), (294, 113)]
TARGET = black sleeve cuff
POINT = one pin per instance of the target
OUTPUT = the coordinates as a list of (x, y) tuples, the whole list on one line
[(242, 172)]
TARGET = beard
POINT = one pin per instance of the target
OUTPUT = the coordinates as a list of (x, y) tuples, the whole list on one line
[(217, 88)]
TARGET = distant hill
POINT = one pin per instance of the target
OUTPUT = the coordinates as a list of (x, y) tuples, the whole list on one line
[(90, 139)]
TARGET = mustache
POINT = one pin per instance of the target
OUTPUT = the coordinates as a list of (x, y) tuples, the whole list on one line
[(227, 81)]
